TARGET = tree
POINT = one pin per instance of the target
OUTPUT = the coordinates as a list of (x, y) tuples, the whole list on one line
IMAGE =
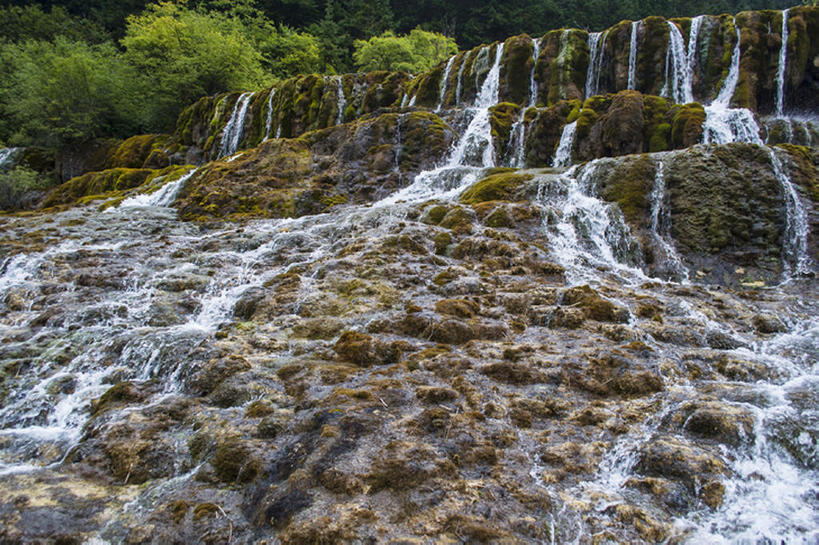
[(185, 54), (416, 52), (63, 93)]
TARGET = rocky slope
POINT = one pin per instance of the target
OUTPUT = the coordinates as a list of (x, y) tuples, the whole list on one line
[(495, 310)]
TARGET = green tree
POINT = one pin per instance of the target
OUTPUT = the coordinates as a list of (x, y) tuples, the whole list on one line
[(418, 51), (185, 54), (63, 93)]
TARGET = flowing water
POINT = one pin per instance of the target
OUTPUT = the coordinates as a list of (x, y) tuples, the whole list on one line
[(341, 102), (724, 124), (678, 78), (517, 143), (783, 64), (563, 153), (471, 154), (632, 56), (269, 118), (444, 81), (597, 51), (661, 226), (234, 130), (6, 156), (795, 240)]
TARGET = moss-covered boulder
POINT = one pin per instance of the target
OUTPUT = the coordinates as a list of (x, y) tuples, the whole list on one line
[(499, 186)]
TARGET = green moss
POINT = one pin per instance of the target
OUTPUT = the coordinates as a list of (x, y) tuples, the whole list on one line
[(687, 125), (660, 138), (516, 67), (501, 119), (442, 242), (497, 187), (629, 186)]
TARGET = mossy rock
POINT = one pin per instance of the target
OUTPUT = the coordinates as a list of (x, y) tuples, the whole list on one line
[(501, 186), (687, 125), (103, 184), (629, 184), (593, 305)]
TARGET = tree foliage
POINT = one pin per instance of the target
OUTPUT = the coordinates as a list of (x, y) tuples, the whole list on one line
[(64, 92), (184, 54), (418, 51)]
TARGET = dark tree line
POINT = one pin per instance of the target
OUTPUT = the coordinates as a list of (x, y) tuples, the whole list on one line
[(337, 23)]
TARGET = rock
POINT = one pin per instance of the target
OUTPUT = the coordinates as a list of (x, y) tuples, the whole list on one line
[(593, 305), (364, 350)]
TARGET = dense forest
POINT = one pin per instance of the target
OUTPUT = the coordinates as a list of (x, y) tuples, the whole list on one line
[(75, 70)]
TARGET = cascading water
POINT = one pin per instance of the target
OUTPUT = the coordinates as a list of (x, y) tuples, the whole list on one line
[(6, 154), (660, 224), (444, 81), (164, 196), (563, 154), (586, 233), (693, 40), (597, 51), (783, 64), (678, 75), (518, 141), (724, 124), (632, 56), (341, 102), (269, 119), (472, 153), (459, 85), (234, 130), (795, 239)]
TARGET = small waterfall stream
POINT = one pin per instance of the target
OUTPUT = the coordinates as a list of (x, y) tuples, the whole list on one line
[(471, 154), (632, 56), (724, 124), (678, 75), (269, 116), (444, 81), (517, 143), (783, 64), (563, 153), (341, 103), (234, 130), (661, 225), (597, 51)]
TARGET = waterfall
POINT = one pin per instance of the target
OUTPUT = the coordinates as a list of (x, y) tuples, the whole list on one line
[(164, 196), (693, 39), (234, 130), (518, 140), (661, 223), (795, 240), (678, 76), (632, 56), (586, 234), (729, 85), (471, 155), (724, 124), (459, 85), (563, 154), (444, 79), (532, 82), (6, 155), (783, 63), (597, 51), (341, 103), (269, 120)]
